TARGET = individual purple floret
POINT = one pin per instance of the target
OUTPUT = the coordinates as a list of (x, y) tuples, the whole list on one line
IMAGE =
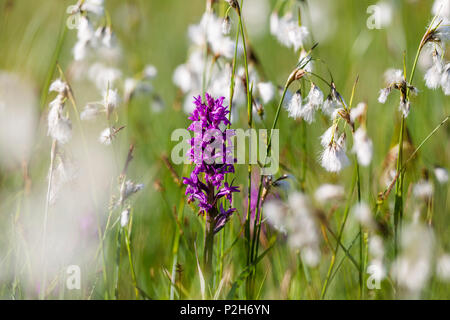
[(211, 152), (222, 218)]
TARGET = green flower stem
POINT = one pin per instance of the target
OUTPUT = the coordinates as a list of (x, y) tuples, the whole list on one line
[(177, 236), (398, 206), (341, 231), (130, 259)]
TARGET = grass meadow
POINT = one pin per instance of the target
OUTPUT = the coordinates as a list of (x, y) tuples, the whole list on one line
[(92, 214)]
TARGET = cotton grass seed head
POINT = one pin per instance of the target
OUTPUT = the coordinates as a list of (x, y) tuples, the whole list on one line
[(327, 137), (313, 102), (58, 86), (226, 25), (59, 125), (287, 31), (333, 157), (127, 189), (111, 100), (362, 146), (441, 8), (295, 105), (106, 136), (124, 217), (93, 6), (441, 175), (359, 112), (333, 102)]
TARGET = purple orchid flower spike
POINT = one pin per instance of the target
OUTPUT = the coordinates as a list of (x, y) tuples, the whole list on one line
[(211, 153), (208, 120)]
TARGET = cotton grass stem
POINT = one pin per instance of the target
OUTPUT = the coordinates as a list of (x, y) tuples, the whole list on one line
[(398, 206), (93, 192), (46, 212), (250, 125), (177, 236), (258, 218), (130, 260), (341, 231)]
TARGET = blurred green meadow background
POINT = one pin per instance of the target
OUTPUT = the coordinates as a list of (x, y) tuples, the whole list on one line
[(155, 32)]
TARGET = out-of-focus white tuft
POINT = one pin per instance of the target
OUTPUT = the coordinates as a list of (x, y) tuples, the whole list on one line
[(384, 93), (86, 39), (445, 80), (209, 32), (443, 267), (275, 213), (441, 175), (434, 73), (103, 76), (18, 119), (358, 111), (441, 8), (384, 13), (59, 125), (266, 91), (363, 215), (297, 220), (106, 137), (127, 189), (287, 31), (111, 100), (124, 217), (327, 192), (58, 86), (323, 19), (212, 71), (362, 147), (412, 268), (150, 72), (423, 189), (94, 6), (63, 174), (376, 266), (255, 15)]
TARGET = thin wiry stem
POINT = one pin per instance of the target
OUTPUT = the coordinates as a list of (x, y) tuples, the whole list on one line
[(386, 193), (398, 206), (94, 198), (177, 236), (341, 231), (255, 245), (130, 260), (250, 124), (47, 206), (232, 86), (361, 242), (53, 65), (117, 272)]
